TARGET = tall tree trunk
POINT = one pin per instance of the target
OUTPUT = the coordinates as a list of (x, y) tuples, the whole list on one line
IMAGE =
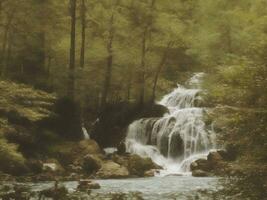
[(142, 68), (71, 85), (9, 50), (83, 24), (159, 69), (129, 84), (5, 44), (109, 64), (146, 36)]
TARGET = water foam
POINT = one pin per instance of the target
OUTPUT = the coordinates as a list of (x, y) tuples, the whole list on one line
[(179, 137)]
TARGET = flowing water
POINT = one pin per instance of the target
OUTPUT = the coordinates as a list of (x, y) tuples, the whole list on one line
[(178, 138), (154, 188), (173, 141)]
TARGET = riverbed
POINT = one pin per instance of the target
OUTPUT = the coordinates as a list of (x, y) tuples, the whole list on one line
[(154, 188)]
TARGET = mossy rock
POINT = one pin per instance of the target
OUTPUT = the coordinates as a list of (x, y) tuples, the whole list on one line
[(138, 165)]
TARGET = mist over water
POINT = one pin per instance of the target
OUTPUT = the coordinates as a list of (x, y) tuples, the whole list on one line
[(179, 137)]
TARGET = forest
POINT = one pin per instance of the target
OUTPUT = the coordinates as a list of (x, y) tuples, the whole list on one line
[(99, 92)]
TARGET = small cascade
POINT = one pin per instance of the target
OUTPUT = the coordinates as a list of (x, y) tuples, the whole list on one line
[(178, 138), (86, 135)]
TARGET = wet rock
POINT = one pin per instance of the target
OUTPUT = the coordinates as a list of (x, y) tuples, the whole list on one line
[(91, 164), (111, 169), (200, 164), (56, 192), (214, 158), (199, 173), (151, 172), (75, 168), (87, 185), (138, 165)]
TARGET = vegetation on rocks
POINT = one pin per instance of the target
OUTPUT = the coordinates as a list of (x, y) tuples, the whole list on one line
[(68, 66)]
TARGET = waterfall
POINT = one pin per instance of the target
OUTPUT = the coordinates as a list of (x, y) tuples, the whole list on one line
[(180, 136), (86, 135)]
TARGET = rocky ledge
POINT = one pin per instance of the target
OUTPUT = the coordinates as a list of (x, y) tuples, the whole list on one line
[(217, 163)]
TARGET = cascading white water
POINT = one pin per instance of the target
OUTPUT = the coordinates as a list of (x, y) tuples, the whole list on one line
[(178, 138)]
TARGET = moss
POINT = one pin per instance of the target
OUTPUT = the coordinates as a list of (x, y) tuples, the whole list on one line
[(25, 101), (11, 160)]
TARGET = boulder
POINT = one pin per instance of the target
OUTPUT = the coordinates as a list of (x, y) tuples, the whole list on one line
[(151, 172), (88, 147), (200, 164), (199, 173), (121, 148), (74, 152), (52, 165), (87, 185), (91, 164), (111, 169), (121, 160), (215, 159), (138, 165), (230, 154)]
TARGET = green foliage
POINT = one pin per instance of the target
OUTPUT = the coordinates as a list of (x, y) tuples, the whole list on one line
[(11, 160)]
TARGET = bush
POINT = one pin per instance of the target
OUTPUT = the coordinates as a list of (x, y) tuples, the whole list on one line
[(12, 162)]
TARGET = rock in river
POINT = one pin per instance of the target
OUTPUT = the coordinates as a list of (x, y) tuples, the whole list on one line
[(111, 169)]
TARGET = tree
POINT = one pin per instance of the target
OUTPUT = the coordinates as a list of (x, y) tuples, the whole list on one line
[(109, 62), (83, 32), (71, 86)]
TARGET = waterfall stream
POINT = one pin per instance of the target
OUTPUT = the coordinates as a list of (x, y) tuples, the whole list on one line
[(179, 137)]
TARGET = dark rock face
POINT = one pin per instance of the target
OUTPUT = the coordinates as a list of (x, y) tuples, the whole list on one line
[(121, 148), (176, 146), (112, 122), (214, 164)]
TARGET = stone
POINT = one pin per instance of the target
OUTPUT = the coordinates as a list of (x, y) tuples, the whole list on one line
[(111, 169), (91, 164), (199, 173), (138, 165), (218, 165), (87, 185), (230, 154), (214, 157), (151, 172), (201, 164), (121, 148)]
